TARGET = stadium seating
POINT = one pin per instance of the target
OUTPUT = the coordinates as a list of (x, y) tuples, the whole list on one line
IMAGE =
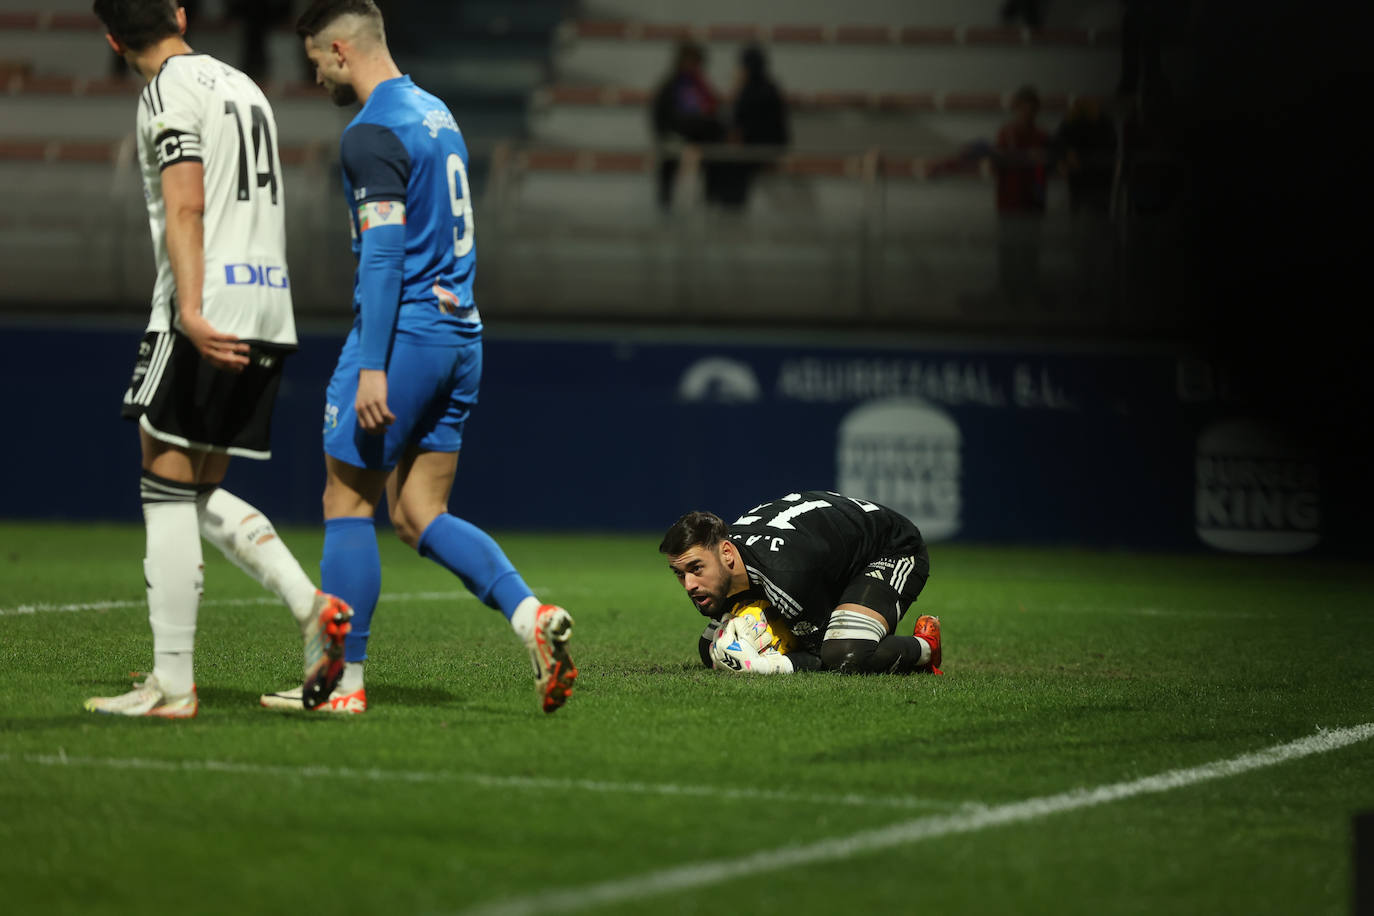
[(826, 238), (836, 57), (567, 216), (75, 231), (76, 108), (66, 39), (931, 123), (874, 101), (66, 160), (897, 86), (1072, 13)]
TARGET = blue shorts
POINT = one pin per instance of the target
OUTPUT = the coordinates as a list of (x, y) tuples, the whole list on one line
[(430, 389)]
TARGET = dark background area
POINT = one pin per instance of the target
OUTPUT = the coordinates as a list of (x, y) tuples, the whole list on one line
[(1280, 196)]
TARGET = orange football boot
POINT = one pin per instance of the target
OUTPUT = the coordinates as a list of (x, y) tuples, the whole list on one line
[(928, 628)]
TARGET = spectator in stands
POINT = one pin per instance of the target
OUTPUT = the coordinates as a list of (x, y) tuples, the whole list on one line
[(1020, 157), (686, 109), (1084, 147), (758, 118)]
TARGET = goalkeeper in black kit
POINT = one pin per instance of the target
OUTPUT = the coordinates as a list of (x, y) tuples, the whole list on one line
[(831, 574)]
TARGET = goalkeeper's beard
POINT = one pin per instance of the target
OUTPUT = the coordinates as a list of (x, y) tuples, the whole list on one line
[(715, 602)]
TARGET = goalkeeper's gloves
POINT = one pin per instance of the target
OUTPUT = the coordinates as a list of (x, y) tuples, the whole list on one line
[(754, 631), (735, 651), (708, 637)]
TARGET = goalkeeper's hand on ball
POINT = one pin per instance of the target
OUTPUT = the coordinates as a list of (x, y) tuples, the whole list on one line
[(736, 649), (728, 651), (752, 628)]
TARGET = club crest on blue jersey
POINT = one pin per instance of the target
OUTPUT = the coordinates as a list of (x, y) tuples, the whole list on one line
[(437, 119)]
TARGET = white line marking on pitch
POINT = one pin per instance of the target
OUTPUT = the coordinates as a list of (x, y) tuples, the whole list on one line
[(63, 759), (45, 608), (701, 874)]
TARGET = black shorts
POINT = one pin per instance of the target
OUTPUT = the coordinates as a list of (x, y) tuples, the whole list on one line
[(181, 399), (891, 582)]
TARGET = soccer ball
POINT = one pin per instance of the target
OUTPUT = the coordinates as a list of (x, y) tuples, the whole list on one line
[(758, 621)]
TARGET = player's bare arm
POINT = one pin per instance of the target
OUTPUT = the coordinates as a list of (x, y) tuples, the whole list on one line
[(183, 190)]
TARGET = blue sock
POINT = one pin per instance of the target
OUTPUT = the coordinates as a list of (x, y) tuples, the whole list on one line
[(470, 554), (351, 568)]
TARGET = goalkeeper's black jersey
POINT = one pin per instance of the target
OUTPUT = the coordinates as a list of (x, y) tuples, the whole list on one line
[(802, 551)]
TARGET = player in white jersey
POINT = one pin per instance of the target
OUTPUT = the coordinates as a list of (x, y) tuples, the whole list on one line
[(210, 362), (196, 109)]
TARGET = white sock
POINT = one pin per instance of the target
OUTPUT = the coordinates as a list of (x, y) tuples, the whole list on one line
[(175, 575), (925, 651), (173, 671), (352, 680), (523, 619), (247, 538)]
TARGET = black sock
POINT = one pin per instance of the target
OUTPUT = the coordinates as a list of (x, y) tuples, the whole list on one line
[(896, 655)]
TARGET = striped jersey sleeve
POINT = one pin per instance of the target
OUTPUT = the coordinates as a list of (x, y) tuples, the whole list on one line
[(172, 113)]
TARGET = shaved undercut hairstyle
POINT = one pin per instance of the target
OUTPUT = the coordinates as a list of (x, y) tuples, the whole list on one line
[(695, 529), (321, 14), (138, 24)]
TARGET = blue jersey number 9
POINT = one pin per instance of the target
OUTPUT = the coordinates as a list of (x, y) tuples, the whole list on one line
[(461, 199)]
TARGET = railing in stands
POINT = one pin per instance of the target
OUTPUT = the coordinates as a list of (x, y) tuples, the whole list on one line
[(839, 34), (870, 236)]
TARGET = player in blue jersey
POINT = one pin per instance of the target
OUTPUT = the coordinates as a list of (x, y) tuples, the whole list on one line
[(408, 374)]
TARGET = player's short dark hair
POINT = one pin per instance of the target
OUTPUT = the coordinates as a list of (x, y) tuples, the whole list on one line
[(137, 24), (695, 529), (321, 14)]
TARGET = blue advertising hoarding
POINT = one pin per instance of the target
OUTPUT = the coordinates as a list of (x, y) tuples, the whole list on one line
[(625, 430)]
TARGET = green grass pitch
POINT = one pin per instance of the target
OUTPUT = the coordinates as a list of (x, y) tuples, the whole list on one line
[(1064, 670)]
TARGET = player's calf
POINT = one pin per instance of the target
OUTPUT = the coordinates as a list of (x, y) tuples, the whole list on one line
[(848, 656), (850, 641), (248, 539), (857, 644)]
